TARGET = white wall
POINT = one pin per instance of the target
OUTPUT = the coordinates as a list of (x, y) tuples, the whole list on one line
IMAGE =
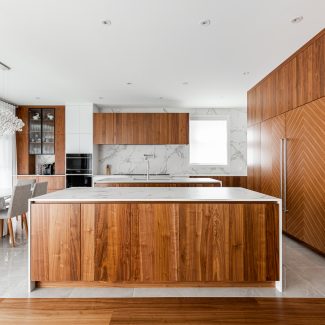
[(174, 159)]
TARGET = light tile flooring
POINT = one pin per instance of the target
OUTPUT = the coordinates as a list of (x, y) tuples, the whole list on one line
[(305, 278)]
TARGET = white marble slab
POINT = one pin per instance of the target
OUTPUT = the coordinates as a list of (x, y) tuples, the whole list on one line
[(147, 194), (153, 179)]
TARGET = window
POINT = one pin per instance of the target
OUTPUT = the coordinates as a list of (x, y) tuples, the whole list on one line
[(208, 141)]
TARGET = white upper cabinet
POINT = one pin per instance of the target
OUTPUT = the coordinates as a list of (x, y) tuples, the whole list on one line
[(79, 128)]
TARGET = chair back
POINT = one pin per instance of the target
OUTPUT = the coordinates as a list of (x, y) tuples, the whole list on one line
[(2, 205), (40, 189), (19, 200), (21, 182)]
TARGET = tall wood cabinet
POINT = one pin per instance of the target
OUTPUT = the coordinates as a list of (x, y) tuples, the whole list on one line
[(289, 103)]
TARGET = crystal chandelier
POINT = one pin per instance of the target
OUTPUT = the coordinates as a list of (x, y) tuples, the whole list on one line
[(9, 123)]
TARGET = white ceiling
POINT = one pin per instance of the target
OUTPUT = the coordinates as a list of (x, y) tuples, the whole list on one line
[(61, 52)]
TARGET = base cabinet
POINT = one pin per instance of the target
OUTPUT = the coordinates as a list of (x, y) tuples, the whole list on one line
[(155, 243)]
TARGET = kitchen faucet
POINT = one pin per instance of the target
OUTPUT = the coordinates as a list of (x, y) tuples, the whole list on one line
[(146, 157)]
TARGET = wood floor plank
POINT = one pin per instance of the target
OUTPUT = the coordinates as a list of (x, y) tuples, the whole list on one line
[(136, 311)]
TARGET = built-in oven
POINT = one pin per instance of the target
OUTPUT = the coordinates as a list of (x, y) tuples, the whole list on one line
[(78, 181), (78, 163), (78, 170)]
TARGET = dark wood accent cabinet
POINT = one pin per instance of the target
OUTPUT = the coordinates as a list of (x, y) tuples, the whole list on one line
[(254, 158), (141, 128), (25, 157)]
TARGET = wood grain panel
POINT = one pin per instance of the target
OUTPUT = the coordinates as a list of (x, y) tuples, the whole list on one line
[(254, 106), (55, 244), (305, 131), (286, 87), (268, 97), (54, 182), (155, 229), (141, 128), (254, 158), (60, 154)]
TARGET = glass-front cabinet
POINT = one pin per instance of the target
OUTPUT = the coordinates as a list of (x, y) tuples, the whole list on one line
[(41, 131)]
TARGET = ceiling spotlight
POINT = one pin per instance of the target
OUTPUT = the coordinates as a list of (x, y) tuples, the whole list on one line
[(37, 98), (297, 20), (161, 97), (129, 83), (185, 83), (246, 73), (4, 67), (106, 22), (100, 97), (206, 22)]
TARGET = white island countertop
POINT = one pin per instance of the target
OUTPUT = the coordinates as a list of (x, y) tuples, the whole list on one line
[(155, 194), (153, 179)]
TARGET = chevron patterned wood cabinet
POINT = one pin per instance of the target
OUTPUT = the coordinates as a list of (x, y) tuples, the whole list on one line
[(289, 104)]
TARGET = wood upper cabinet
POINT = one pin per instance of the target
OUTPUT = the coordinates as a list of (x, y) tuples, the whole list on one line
[(254, 106), (141, 128), (254, 157), (305, 131), (311, 72), (268, 97), (286, 87), (60, 140)]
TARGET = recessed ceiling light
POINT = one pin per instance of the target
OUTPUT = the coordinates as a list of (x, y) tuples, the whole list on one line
[(161, 97), (184, 83), (206, 22), (297, 20), (37, 98), (129, 83), (4, 67), (106, 22), (246, 73), (100, 97)]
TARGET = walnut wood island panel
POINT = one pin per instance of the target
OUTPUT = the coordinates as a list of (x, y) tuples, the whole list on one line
[(157, 237)]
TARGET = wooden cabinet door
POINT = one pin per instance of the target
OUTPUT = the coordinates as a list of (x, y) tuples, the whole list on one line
[(228, 242), (105, 242), (55, 242), (254, 158), (268, 97), (305, 130), (104, 128), (272, 131)]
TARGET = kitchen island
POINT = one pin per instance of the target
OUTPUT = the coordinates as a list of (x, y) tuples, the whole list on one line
[(157, 237), (153, 181)]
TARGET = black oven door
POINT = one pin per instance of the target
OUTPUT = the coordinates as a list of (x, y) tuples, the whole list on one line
[(79, 164), (78, 181)]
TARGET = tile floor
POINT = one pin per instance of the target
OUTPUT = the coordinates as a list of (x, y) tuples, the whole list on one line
[(305, 278)]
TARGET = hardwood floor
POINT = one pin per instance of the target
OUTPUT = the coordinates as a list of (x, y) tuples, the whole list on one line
[(163, 311)]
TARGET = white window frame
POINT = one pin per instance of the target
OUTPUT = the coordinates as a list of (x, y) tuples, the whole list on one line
[(214, 118)]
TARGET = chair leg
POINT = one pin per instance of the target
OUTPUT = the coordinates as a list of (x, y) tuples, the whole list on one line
[(24, 218), (22, 223), (11, 232), (1, 228)]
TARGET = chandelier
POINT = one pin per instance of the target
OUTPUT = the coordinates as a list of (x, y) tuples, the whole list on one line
[(9, 123)]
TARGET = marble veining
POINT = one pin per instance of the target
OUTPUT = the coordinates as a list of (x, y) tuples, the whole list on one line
[(162, 194), (174, 159)]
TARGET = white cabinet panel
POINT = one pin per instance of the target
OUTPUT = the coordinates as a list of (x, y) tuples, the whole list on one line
[(72, 117), (86, 143), (72, 143), (86, 119)]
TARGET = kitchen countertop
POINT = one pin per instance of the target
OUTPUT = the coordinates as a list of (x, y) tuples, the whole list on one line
[(148, 194), (108, 179)]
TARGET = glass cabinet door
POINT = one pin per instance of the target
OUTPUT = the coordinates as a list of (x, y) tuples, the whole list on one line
[(35, 131), (41, 131), (48, 120)]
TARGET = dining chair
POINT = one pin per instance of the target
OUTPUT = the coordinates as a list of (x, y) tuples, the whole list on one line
[(21, 182), (40, 189), (18, 206)]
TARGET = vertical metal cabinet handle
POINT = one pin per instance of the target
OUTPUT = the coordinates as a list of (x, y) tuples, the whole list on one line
[(285, 141)]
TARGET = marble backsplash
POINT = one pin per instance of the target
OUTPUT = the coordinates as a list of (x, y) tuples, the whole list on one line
[(174, 159)]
